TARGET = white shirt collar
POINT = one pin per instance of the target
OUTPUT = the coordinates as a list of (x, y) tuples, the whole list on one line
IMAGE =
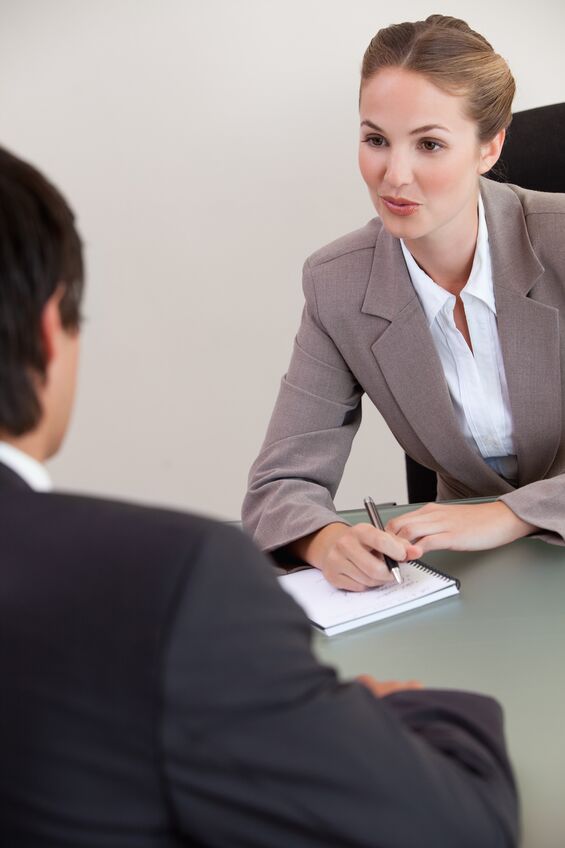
[(433, 297), (479, 283), (29, 469)]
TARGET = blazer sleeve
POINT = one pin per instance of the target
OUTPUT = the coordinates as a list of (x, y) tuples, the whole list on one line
[(263, 746), (542, 504), (294, 479)]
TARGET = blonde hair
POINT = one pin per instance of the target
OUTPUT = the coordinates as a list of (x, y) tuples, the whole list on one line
[(453, 57)]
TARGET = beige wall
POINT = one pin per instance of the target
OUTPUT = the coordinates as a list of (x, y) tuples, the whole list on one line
[(208, 146)]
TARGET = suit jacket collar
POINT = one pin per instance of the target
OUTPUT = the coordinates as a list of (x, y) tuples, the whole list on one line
[(390, 288), (515, 266), (406, 354), (10, 481)]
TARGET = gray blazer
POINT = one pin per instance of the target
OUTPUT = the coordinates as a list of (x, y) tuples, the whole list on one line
[(363, 330)]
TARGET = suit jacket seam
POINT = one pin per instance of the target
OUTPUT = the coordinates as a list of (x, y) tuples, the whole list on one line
[(170, 618), (530, 212), (320, 361), (315, 297), (321, 262)]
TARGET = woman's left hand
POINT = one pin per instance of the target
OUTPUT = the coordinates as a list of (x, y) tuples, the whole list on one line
[(460, 527)]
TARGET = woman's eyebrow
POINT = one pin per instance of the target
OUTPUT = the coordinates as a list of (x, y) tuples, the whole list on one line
[(427, 128)]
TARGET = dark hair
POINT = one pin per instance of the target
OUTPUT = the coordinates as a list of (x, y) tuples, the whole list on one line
[(456, 59), (40, 251)]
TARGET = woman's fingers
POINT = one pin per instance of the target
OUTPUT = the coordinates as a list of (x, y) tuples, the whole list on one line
[(436, 542), (340, 567), (344, 581), (352, 558), (420, 522), (371, 538), (462, 527), (355, 559), (364, 548)]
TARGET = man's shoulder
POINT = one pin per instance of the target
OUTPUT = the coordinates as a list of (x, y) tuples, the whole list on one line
[(158, 548), (107, 507), (356, 246), (118, 527)]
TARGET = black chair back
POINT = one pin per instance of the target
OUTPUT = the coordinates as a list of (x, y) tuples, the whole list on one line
[(533, 155)]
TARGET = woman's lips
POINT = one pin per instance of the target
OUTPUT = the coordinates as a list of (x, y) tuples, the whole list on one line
[(400, 206)]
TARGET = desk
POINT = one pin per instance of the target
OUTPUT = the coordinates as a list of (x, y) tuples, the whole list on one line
[(504, 635)]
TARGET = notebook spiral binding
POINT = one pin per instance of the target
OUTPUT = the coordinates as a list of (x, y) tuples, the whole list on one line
[(429, 570)]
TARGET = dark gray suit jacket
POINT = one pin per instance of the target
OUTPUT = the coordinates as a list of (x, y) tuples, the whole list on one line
[(158, 689), (363, 330)]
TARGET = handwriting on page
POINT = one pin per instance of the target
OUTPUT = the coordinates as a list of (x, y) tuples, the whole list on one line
[(337, 610), (323, 602), (411, 578)]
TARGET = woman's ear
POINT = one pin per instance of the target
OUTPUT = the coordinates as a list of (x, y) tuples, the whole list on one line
[(490, 152)]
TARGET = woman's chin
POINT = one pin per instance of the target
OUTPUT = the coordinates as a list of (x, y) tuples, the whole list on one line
[(404, 228)]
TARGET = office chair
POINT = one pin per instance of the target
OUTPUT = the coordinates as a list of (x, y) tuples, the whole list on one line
[(533, 157)]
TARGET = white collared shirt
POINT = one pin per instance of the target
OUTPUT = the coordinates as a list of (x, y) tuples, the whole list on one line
[(476, 380), (29, 469)]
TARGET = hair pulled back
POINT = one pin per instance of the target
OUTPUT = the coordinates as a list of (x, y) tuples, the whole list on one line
[(453, 57)]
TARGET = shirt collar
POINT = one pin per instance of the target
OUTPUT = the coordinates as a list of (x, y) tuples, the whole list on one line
[(433, 297), (479, 283), (29, 469)]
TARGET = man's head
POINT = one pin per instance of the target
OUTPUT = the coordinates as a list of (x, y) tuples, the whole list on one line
[(41, 287)]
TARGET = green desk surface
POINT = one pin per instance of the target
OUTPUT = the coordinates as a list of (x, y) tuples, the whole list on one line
[(504, 635)]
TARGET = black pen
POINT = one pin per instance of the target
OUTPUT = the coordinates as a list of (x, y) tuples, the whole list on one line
[(375, 519)]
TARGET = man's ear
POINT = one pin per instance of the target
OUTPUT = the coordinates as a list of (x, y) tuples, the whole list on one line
[(490, 152), (51, 326)]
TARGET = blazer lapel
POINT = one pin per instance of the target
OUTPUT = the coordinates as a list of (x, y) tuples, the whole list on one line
[(406, 355), (529, 335)]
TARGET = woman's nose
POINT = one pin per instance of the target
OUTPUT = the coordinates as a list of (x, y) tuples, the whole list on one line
[(398, 170)]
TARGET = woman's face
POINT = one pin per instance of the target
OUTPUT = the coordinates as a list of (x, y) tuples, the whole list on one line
[(420, 156)]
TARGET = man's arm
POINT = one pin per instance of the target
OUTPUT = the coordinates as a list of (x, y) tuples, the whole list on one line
[(263, 746)]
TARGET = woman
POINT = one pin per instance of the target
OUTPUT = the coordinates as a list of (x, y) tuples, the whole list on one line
[(444, 310)]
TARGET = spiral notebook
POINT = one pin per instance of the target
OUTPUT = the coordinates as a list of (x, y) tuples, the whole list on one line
[(334, 610)]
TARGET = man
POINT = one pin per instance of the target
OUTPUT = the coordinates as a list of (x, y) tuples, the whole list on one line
[(157, 687)]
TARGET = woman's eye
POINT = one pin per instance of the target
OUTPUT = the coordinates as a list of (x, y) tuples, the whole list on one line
[(375, 141), (430, 146)]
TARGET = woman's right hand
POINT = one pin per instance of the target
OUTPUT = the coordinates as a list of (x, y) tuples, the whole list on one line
[(352, 557)]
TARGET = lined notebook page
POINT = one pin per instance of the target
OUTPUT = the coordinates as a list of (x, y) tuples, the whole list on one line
[(327, 606)]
